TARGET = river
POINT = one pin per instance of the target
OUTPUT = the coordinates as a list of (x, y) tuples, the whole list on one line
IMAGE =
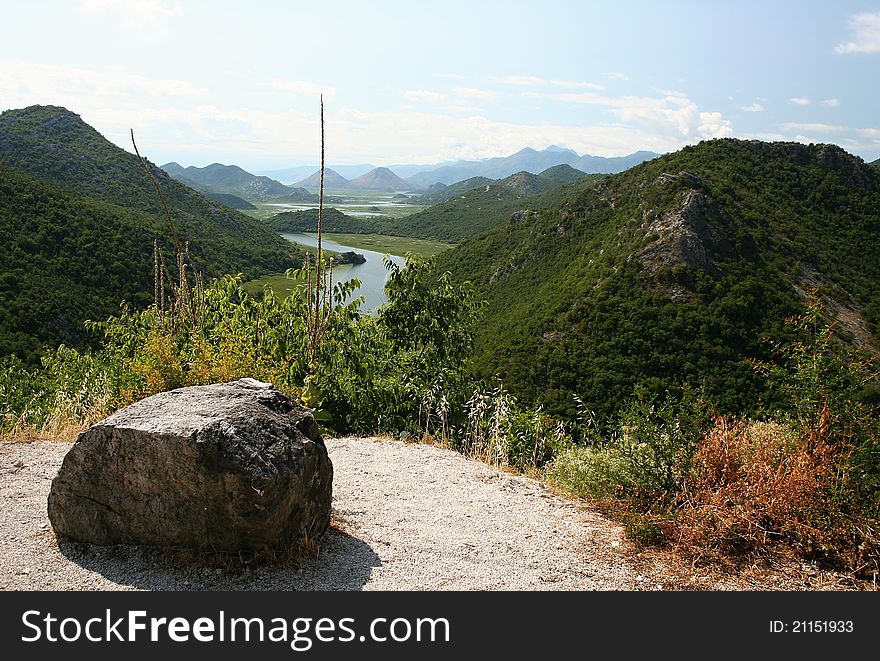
[(371, 273)]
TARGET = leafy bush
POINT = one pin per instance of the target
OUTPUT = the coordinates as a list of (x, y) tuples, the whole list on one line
[(501, 432), (646, 457), (368, 375)]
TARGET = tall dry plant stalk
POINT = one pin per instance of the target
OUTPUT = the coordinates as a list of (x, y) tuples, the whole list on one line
[(188, 303), (319, 296)]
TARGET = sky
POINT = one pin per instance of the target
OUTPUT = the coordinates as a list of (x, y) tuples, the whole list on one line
[(428, 82)]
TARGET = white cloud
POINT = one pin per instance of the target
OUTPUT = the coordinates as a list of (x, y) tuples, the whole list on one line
[(474, 93), (674, 116), (800, 101), (302, 87), (425, 95), (814, 127), (865, 28), (754, 107), (616, 75), (536, 81), (135, 12), (831, 103), (713, 125)]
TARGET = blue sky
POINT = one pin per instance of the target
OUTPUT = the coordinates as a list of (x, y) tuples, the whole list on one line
[(417, 82)]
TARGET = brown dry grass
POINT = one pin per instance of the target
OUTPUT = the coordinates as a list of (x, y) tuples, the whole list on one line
[(760, 489)]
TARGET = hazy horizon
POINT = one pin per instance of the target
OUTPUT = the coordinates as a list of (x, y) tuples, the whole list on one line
[(203, 82)]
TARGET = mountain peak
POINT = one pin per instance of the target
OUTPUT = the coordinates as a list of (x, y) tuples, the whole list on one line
[(381, 179), (332, 180), (556, 149)]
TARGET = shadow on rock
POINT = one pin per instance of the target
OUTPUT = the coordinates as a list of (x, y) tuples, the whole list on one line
[(342, 562)]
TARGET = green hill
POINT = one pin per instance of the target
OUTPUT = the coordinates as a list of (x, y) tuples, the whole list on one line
[(78, 218), (527, 183), (674, 271), (230, 200), (464, 216), (231, 179), (480, 209), (441, 192)]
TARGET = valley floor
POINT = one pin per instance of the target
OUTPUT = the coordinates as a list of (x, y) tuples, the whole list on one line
[(405, 517)]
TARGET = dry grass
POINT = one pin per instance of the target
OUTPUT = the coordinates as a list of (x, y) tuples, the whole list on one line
[(759, 489)]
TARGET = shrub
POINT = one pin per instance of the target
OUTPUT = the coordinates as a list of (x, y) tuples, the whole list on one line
[(756, 482), (646, 456)]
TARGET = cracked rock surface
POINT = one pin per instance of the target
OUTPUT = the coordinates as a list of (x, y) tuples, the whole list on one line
[(229, 467)]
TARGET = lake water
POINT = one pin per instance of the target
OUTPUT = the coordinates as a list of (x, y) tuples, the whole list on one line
[(371, 273)]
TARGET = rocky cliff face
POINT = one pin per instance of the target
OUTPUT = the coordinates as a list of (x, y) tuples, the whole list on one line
[(690, 235)]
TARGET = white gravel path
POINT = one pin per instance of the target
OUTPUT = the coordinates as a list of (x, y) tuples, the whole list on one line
[(406, 517)]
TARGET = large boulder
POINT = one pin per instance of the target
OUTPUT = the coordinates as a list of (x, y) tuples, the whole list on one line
[(231, 467)]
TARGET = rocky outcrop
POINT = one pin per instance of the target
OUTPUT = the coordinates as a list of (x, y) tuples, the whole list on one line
[(232, 466), (523, 215), (688, 235)]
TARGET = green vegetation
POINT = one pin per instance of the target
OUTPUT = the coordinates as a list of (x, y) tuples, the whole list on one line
[(369, 374), (281, 284), (440, 192), (78, 218), (734, 486), (650, 330), (231, 201), (334, 221), (390, 245), (656, 279), (481, 209)]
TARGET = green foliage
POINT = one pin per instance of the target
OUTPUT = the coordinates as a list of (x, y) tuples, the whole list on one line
[(369, 374), (646, 456), (306, 220), (230, 200), (576, 305), (822, 383), (500, 431), (78, 218)]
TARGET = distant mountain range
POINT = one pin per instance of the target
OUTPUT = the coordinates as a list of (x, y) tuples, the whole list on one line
[(377, 179), (424, 176), (290, 175), (529, 160), (232, 180), (520, 183)]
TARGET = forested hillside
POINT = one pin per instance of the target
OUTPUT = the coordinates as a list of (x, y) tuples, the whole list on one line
[(79, 216), (675, 272)]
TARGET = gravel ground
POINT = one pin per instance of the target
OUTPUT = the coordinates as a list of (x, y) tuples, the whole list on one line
[(406, 517)]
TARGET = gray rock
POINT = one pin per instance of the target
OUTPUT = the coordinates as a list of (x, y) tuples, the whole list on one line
[(230, 467)]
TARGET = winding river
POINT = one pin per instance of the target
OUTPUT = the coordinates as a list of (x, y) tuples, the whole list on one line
[(371, 273)]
